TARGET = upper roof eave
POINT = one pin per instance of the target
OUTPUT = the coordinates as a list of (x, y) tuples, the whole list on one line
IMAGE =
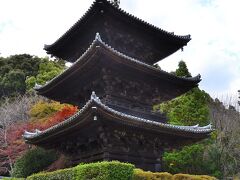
[(183, 39), (193, 132), (119, 10)]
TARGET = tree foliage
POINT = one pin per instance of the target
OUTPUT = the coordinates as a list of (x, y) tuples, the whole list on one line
[(24, 62), (13, 116), (47, 71), (182, 70), (65, 112), (192, 160), (226, 120), (13, 72), (25, 113), (189, 109), (43, 109), (33, 161), (12, 82), (16, 69)]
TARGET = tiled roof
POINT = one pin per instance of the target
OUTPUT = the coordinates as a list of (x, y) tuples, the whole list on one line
[(148, 42), (95, 106), (117, 9), (98, 42)]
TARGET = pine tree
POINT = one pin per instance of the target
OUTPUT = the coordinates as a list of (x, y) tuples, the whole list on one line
[(182, 70)]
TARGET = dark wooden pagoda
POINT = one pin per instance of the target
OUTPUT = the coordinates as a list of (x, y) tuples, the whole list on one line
[(113, 54)]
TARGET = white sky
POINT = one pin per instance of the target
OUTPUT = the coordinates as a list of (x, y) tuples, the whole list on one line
[(214, 25)]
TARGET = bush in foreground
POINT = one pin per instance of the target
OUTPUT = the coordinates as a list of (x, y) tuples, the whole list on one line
[(139, 174), (98, 171), (112, 171), (105, 171), (33, 161), (63, 174)]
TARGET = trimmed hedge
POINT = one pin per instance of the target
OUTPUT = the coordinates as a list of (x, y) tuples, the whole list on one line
[(113, 170), (192, 177), (12, 178), (147, 175), (105, 171), (139, 174), (98, 171), (63, 174)]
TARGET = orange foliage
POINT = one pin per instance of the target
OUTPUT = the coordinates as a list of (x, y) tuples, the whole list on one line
[(58, 117), (16, 146)]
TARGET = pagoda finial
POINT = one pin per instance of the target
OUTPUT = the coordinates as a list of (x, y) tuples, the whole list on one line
[(115, 2), (94, 97), (98, 37)]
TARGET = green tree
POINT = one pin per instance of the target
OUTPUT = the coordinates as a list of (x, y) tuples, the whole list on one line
[(22, 71), (189, 109), (12, 82), (24, 62), (182, 70), (191, 160), (13, 72), (48, 69)]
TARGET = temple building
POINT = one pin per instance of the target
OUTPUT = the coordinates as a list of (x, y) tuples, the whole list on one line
[(115, 84)]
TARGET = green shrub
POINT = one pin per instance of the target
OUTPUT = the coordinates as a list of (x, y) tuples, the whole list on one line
[(191, 177), (147, 175), (113, 170), (33, 161), (163, 176), (139, 174), (187, 160), (93, 171), (63, 174), (12, 178), (207, 177)]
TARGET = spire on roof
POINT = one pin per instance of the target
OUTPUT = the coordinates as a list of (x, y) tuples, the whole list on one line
[(115, 2)]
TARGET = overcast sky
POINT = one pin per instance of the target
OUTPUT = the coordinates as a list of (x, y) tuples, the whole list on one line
[(214, 25)]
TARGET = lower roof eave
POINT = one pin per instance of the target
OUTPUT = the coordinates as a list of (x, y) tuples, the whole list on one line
[(94, 108)]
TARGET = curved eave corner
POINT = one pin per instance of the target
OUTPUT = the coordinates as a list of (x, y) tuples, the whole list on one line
[(46, 48), (95, 103), (183, 39), (95, 46)]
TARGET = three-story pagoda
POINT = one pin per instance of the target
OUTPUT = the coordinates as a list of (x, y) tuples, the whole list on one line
[(114, 82)]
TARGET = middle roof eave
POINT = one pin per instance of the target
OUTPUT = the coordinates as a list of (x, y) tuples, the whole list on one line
[(99, 47)]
